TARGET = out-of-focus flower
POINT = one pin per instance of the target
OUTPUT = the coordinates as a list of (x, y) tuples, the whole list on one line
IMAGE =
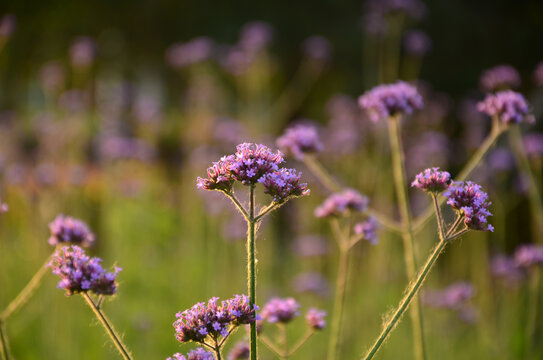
[(181, 55), (417, 43), (500, 159), (343, 133), (452, 297), (508, 106), (73, 101), (118, 147), (338, 204), (384, 101), (311, 282), (432, 180), (368, 229), (310, 246), (3, 207), (300, 140), (196, 354), (241, 351), (529, 255), (280, 310), (505, 267), (83, 51), (533, 144), (80, 273), (283, 184), (501, 77), (229, 131), (255, 36), (52, 77), (317, 48), (538, 74), (66, 229), (315, 319), (470, 200), (46, 174), (8, 23), (413, 8), (214, 321)]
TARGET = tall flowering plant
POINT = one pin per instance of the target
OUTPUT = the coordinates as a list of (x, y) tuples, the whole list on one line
[(251, 165)]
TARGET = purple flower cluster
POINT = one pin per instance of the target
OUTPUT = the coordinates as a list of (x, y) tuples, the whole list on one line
[(196, 354), (252, 164), (213, 320), (241, 351), (283, 184), (340, 203), (500, 77), (508, 106), (533, 144), (468, 198), (311, 282), (184, 54), (80, 273), (66, 229), (529, 255), (280, 310), (516, 268), (452, 297), (416, 42), (315, 319), (368, 229), (388, 100), (432, 180), (300, 140)]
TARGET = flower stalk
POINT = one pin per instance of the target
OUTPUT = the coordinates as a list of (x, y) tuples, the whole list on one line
[(251, 267)]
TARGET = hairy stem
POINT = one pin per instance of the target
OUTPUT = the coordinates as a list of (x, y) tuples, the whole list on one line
[(26, 293), (108, 327), (406, 300), (408, 236), (251, 267), (475, 159)]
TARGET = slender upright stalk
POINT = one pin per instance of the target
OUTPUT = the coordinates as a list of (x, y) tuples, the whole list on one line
[(339, 301), (26, 293), (408, 237), (531, 318), (251, 268), (475, 159), (109, 328), (217, 352), (284, 341), (4, 342), (404, 303)]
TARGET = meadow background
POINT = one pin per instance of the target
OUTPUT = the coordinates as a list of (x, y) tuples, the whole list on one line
[(67, 145)]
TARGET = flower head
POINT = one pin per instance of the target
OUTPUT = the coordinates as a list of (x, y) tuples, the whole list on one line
[(300, 140), (500, 77), (452, 297), (214, 320), (283, 184), (315, 319), (252, 161), (368, 230), (218, 177), (241, 351), (469, 199), (388, 100), (181, 55), (196, 354), (508, 106), (339, 203), (66, 229), (432, 180), (280, 310), (529, 255), (533, 144), (80, 273)]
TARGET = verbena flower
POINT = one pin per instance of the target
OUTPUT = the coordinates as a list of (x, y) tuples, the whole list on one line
[(80, 273), (310, 246), (500, 77), (311, 282), (338, 204), (196, 354), (66, 229), (452, 297), (533, 144), (213, 320), (432, 180), (368, 229), (255, 36), (417, 42), (241, 351), (280, 310), (508, 106), (315, 319), (387, 100), (505, 267), (252, 161), (218, 177), (194, 51), (529, 255), (283, 184), (468, 198), (83, 51), (300, 140)]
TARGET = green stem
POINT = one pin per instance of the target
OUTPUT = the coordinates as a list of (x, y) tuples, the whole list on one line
[(408, 236), (475, 159), (109, 328), (534, 198), (531, 319), (238, 205), (269, 344), (301, 342), (217, 350), (251, 267), (404, 303), (284, 341), (4, 342), (439, 218), (26, 293)]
